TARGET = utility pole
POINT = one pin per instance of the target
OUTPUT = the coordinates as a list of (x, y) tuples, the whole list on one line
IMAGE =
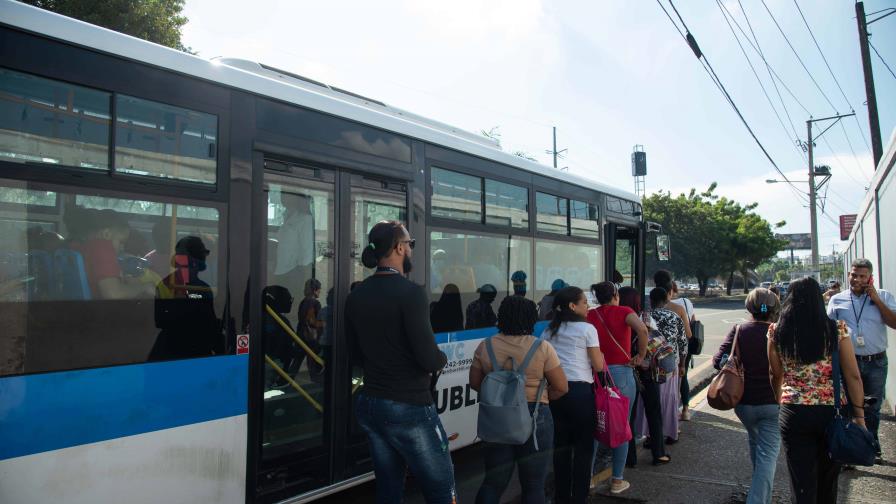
[(873, 121), (554, 152), (813, 213), (825, 172)]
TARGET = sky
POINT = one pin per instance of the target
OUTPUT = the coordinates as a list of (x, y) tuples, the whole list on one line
[(609, 75)]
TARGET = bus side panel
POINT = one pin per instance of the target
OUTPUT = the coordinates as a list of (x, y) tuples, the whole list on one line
[(162, 432), (456, 402)]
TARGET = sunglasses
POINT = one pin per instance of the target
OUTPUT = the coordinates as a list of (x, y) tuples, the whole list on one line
[(411, 243)]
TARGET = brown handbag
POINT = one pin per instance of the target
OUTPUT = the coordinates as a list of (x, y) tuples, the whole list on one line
[(727, 388)]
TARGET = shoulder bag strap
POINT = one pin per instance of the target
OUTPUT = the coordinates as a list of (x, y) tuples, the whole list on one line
[(609, 331), (835, 371), (734, 345)]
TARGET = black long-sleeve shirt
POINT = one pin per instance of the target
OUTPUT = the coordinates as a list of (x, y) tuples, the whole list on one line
[(387, 324)]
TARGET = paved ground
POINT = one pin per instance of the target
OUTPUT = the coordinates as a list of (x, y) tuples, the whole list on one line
[(710, 462)]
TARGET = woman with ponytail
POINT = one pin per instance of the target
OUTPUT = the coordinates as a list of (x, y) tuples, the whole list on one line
[(614, 324), (575, 341), (387, 325)]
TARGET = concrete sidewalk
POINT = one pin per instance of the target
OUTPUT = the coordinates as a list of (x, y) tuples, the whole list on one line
[(711, 464)]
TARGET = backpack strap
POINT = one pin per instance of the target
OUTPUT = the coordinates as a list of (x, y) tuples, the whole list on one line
[(491, 353), (529, 355), (541, 386)]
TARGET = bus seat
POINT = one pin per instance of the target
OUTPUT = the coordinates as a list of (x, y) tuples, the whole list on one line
[(71, 277)]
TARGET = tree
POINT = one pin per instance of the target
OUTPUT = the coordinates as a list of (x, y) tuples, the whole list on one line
[(158, 21), (710, 235)]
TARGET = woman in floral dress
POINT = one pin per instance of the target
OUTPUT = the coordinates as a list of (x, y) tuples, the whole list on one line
[(670, 325), (800, 349)]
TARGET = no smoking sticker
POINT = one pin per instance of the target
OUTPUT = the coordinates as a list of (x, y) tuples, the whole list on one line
[(242, 344)]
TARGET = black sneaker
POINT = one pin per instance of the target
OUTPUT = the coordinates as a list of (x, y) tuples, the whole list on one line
[(847, 467)]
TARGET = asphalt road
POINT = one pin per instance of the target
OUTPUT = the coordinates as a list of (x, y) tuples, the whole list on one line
[(718, 318)]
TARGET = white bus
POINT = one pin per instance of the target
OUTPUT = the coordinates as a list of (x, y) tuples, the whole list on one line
[(177, 237)]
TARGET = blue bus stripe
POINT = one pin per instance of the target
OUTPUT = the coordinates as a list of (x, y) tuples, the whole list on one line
[(44, 412), (484, 332)]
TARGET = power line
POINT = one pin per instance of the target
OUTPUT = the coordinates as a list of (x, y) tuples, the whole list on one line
[(692, 43), (755, 74), (823, 58), (768, 67), (795, 53), (831, 71), (882, 60)]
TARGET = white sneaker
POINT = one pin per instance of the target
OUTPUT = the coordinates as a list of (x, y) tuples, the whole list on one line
[(619, 486)]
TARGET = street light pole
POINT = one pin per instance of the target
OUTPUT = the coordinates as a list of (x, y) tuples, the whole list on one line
[(813, 215)]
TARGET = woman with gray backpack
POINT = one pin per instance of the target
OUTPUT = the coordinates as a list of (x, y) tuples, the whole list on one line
[(511, 372)]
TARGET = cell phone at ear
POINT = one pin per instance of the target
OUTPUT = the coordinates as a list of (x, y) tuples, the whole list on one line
[(871, 280)]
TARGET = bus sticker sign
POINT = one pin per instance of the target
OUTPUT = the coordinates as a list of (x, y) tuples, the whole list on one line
[(242, 344)]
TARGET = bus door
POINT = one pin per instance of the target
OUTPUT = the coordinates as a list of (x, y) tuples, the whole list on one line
[(315, 228), (624, 250), (372, 201)]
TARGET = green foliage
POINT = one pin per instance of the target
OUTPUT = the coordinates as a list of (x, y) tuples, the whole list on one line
[(158, 21), (710, 235)]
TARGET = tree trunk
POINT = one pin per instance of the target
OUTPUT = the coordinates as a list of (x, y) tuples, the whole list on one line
[(746, 288), (730, 283), (701, 285)]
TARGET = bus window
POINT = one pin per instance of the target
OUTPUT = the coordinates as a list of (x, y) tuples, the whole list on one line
[(577, 264), (54, 123), (506, 205), (551, 212), (161, 140), (95, 280), (584, 219), (466, 269), (456, 196)]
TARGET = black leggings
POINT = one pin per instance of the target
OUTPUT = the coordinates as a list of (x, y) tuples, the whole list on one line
[(813, 475), (685, 388), (573, 443)]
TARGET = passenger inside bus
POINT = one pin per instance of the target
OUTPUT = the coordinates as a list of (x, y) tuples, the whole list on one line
[(480, 312), (277, 342), (184, 307), (99, 235), (446, 314)]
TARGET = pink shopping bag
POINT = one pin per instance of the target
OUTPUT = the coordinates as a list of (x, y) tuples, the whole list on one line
[(611, 427)]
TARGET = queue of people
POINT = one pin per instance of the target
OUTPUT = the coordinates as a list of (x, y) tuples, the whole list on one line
[(786, 350)]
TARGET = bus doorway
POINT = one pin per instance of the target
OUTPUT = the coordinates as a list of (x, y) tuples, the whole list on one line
[(312, 230), (625, 263)]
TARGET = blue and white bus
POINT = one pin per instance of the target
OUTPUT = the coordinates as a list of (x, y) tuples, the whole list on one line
[(177, 238)]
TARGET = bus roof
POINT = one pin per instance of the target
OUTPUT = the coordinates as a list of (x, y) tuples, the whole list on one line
[(280, 85)]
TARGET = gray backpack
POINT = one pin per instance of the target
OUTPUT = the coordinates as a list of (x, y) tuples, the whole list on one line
[(503, 410)]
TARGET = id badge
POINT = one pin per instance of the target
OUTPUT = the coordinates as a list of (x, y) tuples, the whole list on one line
[(860, 340)]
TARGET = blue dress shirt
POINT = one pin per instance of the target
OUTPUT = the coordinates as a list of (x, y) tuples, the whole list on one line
[(870, 325)]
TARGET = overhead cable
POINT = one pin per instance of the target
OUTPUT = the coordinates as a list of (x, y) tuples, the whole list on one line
[(761, 85), (795, 53), (692, 43), (882, 60)]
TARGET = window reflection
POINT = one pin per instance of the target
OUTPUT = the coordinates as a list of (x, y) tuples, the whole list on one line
[(506, 204), (164, 141), (552, 211), (45, 121), (471, 274), (456, 196), (574, 263), (583, 219), (94, 280)]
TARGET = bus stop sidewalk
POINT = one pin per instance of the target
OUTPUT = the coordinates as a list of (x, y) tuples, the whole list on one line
[(711, 464)]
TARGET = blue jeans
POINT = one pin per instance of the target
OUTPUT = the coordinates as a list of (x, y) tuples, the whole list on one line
[(533, 464), (624, 379), (761, 422), (406, 436), (874, 378)]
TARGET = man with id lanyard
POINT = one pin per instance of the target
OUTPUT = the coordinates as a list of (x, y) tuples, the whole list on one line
[(867, 312)]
